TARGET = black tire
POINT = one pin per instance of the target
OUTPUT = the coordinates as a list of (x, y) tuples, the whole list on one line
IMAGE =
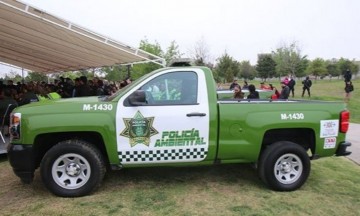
[(72, 168), (284, 166)]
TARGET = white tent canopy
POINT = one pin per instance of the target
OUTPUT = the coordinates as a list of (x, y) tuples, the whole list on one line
[(38, 41)]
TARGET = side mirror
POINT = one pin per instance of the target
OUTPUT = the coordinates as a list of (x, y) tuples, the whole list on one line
[(138, 98)]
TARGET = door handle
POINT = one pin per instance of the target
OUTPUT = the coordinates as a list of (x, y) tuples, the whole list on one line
[(195, 114)]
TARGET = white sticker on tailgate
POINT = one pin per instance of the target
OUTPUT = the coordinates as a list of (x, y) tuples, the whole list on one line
[(329, 142)]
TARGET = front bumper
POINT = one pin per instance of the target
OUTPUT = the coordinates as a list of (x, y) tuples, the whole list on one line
[(21, 158), (341, 151)]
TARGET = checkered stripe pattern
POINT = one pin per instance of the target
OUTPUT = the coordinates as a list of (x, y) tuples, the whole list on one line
[(163, 155)]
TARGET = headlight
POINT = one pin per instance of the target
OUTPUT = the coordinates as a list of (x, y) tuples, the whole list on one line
[(15, 122)]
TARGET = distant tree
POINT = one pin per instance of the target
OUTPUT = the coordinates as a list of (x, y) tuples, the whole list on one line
[(317, 67), (200, 53), (332, 68), (266, 66), (115, 73), (345, 64), (172, 52), (36, 77), (14, 76), (289, 60), (247, 71), (357, 67), (120, 72), (301, 67), (89, 73), (227, 68), (153, 48), (354, 67), (139, 70), (70, 74)]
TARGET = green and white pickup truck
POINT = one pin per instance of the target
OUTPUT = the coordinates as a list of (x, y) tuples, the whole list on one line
[(172, 117)]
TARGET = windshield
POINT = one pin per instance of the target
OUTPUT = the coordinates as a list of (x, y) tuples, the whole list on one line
[(135, 82)]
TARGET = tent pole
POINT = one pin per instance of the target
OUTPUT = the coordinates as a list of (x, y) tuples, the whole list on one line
[(22, 75), (128, 70)]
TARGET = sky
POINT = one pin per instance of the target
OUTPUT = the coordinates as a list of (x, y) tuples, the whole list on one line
[(241, 28)]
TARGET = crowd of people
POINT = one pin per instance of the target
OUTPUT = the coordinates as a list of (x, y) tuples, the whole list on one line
[(239, 94), (287, 88), (24, 93), (82, 87)]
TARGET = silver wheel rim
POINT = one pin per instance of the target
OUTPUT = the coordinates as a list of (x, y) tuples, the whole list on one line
[(288, 168), (71, 171)]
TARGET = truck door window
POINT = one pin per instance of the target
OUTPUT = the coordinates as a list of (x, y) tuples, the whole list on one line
[(173, 88)]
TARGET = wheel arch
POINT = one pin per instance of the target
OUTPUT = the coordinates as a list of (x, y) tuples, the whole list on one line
[(44, 142), (304, 137)]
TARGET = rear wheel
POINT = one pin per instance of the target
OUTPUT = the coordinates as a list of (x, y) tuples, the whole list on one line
[(72, 168), (284, 166)]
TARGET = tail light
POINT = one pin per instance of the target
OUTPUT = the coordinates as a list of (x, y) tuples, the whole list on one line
[(344, 121)]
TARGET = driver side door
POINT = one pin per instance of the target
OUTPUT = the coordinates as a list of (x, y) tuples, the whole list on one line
[(172, 126)]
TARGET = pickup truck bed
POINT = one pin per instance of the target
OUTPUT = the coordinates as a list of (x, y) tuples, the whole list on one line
[(249, 125)]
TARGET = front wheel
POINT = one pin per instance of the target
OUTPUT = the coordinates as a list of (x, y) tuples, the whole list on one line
[(284, 166), (72, 168)]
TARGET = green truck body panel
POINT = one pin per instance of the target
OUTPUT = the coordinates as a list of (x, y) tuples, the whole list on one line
[(243, 126), (65, 116), (180, 129)]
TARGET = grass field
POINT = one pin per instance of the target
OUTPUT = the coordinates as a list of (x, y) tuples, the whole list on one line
[(333, 187)]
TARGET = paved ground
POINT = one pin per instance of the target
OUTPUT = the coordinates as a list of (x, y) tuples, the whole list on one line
[(353, 136)]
